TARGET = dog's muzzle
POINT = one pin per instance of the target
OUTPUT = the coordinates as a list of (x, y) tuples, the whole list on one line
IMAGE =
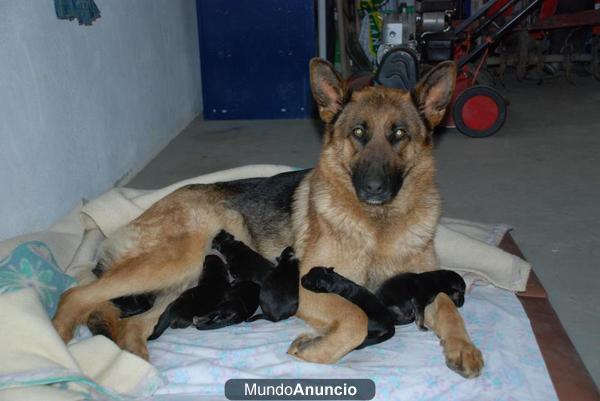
[(376, 184)]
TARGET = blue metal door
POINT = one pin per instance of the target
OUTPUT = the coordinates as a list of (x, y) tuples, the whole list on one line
[(254, 58)]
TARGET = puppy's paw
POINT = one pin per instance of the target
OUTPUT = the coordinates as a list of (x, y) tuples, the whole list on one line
[(319, 279), (199, 321), (463, 357), (420, 322), (288, 254)]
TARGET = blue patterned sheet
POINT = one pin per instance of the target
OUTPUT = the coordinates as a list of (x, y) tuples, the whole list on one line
[(410, 366), (32, 265)]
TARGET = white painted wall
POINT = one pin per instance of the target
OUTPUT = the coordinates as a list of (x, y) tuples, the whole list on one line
[(83, 107)]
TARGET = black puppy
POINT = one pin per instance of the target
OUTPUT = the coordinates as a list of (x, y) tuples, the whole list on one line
[(244, 263), (279, 285), (238, 304), (279, 291), (214, 303), (382, 321), (408, 294), (400, 300)]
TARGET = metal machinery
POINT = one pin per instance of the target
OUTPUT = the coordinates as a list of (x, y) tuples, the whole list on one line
[(435, 35)]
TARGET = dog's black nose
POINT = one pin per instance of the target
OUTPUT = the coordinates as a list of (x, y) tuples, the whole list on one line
[(374, 186), (376, 183)]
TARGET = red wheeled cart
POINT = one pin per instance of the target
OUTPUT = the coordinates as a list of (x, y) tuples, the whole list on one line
[(479, 110)]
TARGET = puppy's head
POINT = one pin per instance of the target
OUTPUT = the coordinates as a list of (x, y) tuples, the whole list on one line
[(379, 135), (319, 279), (455, 287), (288, 254), (215, 269), (222, 238)]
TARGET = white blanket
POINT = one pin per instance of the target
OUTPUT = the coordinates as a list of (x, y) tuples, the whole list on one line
[(35, 364)]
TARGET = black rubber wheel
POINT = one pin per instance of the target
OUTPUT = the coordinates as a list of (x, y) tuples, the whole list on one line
[(479, 111)]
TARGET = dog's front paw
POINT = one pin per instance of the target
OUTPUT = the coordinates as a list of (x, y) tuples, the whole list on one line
[(463, 357), (319, 279), (301, 342), (307, 348)]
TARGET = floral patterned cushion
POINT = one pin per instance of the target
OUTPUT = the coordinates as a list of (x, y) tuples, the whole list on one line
[(32, 265)]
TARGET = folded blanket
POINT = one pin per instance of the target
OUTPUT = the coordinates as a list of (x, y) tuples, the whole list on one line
[(460, 245), (35, 364)]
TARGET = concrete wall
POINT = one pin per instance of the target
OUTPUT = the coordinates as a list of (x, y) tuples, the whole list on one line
[(82, 108)]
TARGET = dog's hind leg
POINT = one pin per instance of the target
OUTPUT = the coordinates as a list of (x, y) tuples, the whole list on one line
[(133, 332), (104, 320), (177, 262), (461, 355)]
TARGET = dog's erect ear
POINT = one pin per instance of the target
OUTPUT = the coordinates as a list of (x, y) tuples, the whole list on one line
[(327, 88), (434, 92)]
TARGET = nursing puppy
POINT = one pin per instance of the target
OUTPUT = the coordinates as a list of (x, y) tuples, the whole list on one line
[(238, 304), (244, 263), (278, 284), (227, 304), (201, 300), (279, 291), (400, 300)]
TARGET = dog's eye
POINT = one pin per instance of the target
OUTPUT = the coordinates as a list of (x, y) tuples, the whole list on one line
[(399, 133), (359, 132)]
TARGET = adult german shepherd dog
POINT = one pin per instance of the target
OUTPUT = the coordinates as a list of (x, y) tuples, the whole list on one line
[(370, 208)]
